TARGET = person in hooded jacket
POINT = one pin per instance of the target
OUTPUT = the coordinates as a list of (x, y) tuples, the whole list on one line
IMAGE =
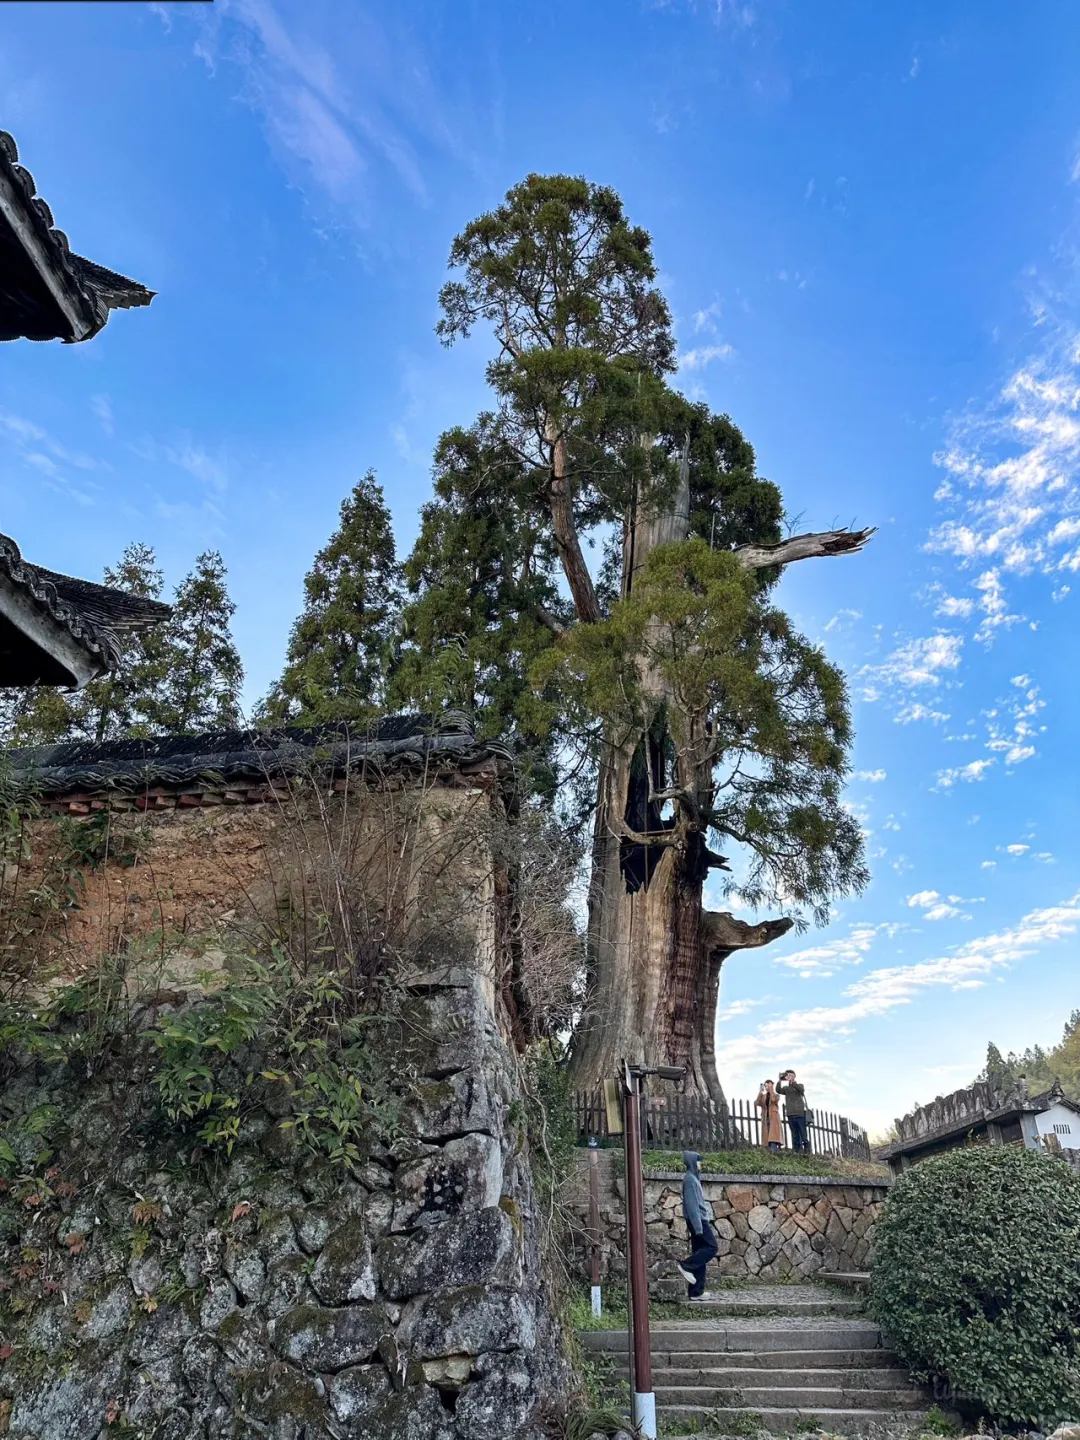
[(697, 1214)]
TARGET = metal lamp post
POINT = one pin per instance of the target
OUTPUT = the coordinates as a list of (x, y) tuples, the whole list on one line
[(644, 1407)]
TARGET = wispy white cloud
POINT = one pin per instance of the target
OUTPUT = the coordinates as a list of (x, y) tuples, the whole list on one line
[(974, 770), (806, 1034), (940, 907), (842, 619), (822, 961), (924, 663), (703, 355), (102, 408), (50, 460), (872, 777), (910, 714), (1011, 480), (707, 318), (212, 471), (347, 101)]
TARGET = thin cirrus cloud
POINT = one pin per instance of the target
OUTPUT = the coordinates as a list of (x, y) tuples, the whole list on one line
[(50, 461), (328, 84)]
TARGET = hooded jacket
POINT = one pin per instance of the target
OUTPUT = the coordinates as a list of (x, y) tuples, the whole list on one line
[(693, 1197)]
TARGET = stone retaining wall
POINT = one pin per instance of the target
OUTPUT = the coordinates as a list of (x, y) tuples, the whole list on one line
[(770, 1227), (266, 1297)]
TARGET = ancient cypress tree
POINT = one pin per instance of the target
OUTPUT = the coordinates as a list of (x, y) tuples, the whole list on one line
[(202, 674), (715, 719), (340, 648)]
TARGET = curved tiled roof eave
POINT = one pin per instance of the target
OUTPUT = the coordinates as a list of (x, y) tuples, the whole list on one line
[(97, 639), (96, 288)]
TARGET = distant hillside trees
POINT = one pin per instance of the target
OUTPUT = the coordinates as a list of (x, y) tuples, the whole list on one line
[(1039, 1067)]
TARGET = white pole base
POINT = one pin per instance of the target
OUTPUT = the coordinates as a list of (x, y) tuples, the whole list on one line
[(597, 1309), (645, 1413)]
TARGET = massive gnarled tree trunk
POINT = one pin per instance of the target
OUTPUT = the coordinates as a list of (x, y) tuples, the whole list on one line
[(655, 952)]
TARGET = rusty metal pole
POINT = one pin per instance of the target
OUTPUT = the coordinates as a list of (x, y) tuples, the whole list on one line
[(644, 1412), (594, 1225)]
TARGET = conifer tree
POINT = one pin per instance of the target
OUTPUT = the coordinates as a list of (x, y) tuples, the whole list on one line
[(338, 657), (200, 669), (482, 598)]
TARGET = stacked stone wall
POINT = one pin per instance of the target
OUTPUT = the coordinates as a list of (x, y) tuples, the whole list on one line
[(150, 1292), (768, 1228)]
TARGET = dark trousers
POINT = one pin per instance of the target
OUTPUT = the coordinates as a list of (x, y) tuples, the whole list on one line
[(703, 1248), (798, 1132)]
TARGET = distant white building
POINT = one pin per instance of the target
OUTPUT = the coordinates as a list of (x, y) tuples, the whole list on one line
[(1061, 1118)]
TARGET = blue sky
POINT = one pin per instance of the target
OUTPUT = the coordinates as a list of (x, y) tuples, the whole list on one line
[(866, 219)]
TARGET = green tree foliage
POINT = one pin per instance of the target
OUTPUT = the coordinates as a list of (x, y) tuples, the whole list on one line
[(340, 649), (976, 1278), (482, 597), (774, 723), (200, 686), (122, 702), (566, 284)]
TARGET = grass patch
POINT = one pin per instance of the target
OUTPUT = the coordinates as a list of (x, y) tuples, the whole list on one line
[(755, 1161)]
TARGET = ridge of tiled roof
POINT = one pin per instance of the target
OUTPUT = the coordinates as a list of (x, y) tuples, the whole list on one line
[(93, 289), (92, 614), (224, 755)]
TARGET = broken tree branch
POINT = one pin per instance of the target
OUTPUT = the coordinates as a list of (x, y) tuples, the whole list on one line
[(804, 547)]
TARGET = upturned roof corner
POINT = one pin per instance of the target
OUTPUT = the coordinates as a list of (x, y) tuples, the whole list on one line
[(48, 292), (57, 630)]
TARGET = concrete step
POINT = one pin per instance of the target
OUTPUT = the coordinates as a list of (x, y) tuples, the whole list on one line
[(847, 1279), (881, 1360), (720, 1304), (762, 1377), (716, 1420), (680, 1336), (789, 1397)]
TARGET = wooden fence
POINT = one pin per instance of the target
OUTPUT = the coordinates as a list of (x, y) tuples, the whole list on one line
[(675, 1122)]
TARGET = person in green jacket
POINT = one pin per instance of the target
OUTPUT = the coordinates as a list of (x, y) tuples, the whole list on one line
[(794, 1109)]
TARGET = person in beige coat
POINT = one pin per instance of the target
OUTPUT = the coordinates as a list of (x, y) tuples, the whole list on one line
[(772, 1131)]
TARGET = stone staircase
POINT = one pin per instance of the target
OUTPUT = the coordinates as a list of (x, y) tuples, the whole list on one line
[(787, 1357)]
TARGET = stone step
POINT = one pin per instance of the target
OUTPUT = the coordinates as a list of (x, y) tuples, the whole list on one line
[(879, 1359), (788, 1397), (717, 1421), (763, 1377), (678, 1337), (719, 1304), (848, 1279)]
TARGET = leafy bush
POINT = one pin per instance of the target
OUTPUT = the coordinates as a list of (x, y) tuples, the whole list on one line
[(976, 1278)]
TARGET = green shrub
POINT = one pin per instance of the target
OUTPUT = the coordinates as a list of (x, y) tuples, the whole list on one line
[(976, 1277)]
